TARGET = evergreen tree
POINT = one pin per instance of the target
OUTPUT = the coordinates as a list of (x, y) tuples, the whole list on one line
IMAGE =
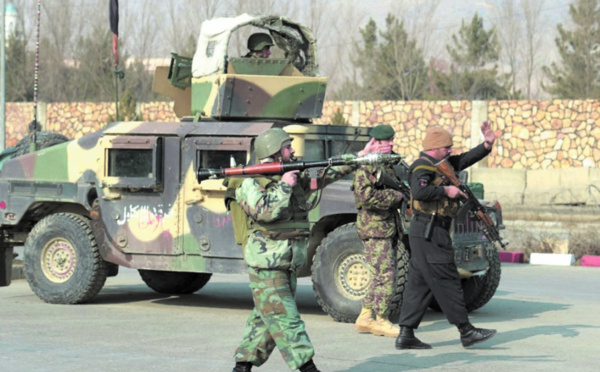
[(473, 73), (19, 70), (393, 68), (577, 76), (92, 77)]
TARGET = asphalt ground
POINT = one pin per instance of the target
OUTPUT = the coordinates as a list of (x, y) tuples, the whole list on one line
[(547, 320)]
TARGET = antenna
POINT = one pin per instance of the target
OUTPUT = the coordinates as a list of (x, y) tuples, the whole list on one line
[(34, 127)]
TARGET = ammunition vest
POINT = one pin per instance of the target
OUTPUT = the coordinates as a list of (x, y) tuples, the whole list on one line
[(444, 206), (294, 224)]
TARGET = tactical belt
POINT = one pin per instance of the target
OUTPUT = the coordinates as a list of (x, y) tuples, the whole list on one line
[(439, 220), (284, 235)]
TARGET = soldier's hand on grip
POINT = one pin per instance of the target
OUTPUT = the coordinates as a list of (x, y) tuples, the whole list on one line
[(454, 192), (291, 178)]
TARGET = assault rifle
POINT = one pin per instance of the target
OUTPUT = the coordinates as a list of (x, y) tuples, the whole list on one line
[(473, 205), (281, 168), (396, 183)]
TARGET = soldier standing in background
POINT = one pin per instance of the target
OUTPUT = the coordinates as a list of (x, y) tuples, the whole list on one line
[(259, 45), (377, 226), (277, 207), (432, 271)]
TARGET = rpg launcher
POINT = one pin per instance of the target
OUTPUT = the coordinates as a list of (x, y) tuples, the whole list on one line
[(281, 168), (472, 204)]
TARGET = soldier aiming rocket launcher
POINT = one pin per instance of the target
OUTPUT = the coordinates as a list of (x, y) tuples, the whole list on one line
[(472, 204), (281, 168)]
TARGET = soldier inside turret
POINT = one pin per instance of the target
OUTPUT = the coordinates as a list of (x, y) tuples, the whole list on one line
[(259, 45)]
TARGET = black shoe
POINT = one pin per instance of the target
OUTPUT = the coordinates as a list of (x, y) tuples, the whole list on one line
[(471, 335), (242, 367), (308, 367), (407, 340)]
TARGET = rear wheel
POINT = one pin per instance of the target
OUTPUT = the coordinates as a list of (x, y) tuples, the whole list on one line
[(172, 282), (340, 275), (62, 261)]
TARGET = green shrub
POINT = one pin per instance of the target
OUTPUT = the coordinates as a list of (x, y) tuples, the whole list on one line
[(338, 118)]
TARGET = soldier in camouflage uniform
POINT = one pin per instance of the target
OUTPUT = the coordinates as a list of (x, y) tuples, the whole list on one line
[(432, 271), (277, 207), (377, 227), (259, 45)]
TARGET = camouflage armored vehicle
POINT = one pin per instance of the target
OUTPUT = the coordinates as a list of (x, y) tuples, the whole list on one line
[(128, 195)]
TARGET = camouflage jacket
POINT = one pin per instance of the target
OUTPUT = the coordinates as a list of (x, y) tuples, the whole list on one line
[(377, 205), (426, 183), (277, 239)]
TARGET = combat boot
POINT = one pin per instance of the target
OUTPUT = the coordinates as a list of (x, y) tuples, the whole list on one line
[(469, 335), (383, 327), (407, 340), (242, 367), (309, 367), (364, 322)]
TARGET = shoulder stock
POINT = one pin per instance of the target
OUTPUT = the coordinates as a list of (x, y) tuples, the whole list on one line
[(447, 170)]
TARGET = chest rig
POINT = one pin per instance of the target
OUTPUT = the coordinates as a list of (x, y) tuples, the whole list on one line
[(443, 206)]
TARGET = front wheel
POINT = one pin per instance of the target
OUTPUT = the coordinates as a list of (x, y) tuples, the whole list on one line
[(341, 277), (62, 261)]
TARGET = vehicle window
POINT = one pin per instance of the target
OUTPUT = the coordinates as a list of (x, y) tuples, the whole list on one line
[(222, 159), (130, 163), (134, 162), (346, 147), (314, 150)]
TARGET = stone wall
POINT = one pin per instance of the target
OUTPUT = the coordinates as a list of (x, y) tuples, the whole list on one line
[(532, 134)]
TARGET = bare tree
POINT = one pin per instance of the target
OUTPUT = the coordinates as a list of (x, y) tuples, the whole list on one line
[(143, 26), (533, 41), (420, 21), (336, 50), (508, 27), (182, 24)]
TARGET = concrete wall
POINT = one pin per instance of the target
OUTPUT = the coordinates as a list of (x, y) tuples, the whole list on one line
[(562, 186)]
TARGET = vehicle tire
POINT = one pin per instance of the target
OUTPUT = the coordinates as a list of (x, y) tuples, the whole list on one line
[(42, 139), (173, 282), (341, 278), (62, 262), (479, 290)]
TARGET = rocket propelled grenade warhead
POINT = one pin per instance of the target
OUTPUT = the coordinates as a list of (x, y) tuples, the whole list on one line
[(281, 168)]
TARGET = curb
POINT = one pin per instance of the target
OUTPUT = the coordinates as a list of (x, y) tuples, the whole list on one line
[(588, 260), (553, 259), (512, 257)]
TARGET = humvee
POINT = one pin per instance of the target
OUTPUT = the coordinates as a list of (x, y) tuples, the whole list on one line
[(128, 195)]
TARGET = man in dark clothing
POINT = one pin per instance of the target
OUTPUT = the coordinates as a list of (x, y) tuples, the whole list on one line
[(432, 271)]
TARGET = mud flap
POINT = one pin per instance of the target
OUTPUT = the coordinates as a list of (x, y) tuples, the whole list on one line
[(6, 261)]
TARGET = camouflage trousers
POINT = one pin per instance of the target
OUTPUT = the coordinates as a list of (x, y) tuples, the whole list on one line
[(381, 262), (274, 321)]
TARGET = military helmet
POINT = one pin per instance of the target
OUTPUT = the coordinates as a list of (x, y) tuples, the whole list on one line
[(269, 142), (258, 41)]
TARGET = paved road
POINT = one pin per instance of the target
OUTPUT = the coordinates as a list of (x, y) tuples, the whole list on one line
[(547, 318)]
